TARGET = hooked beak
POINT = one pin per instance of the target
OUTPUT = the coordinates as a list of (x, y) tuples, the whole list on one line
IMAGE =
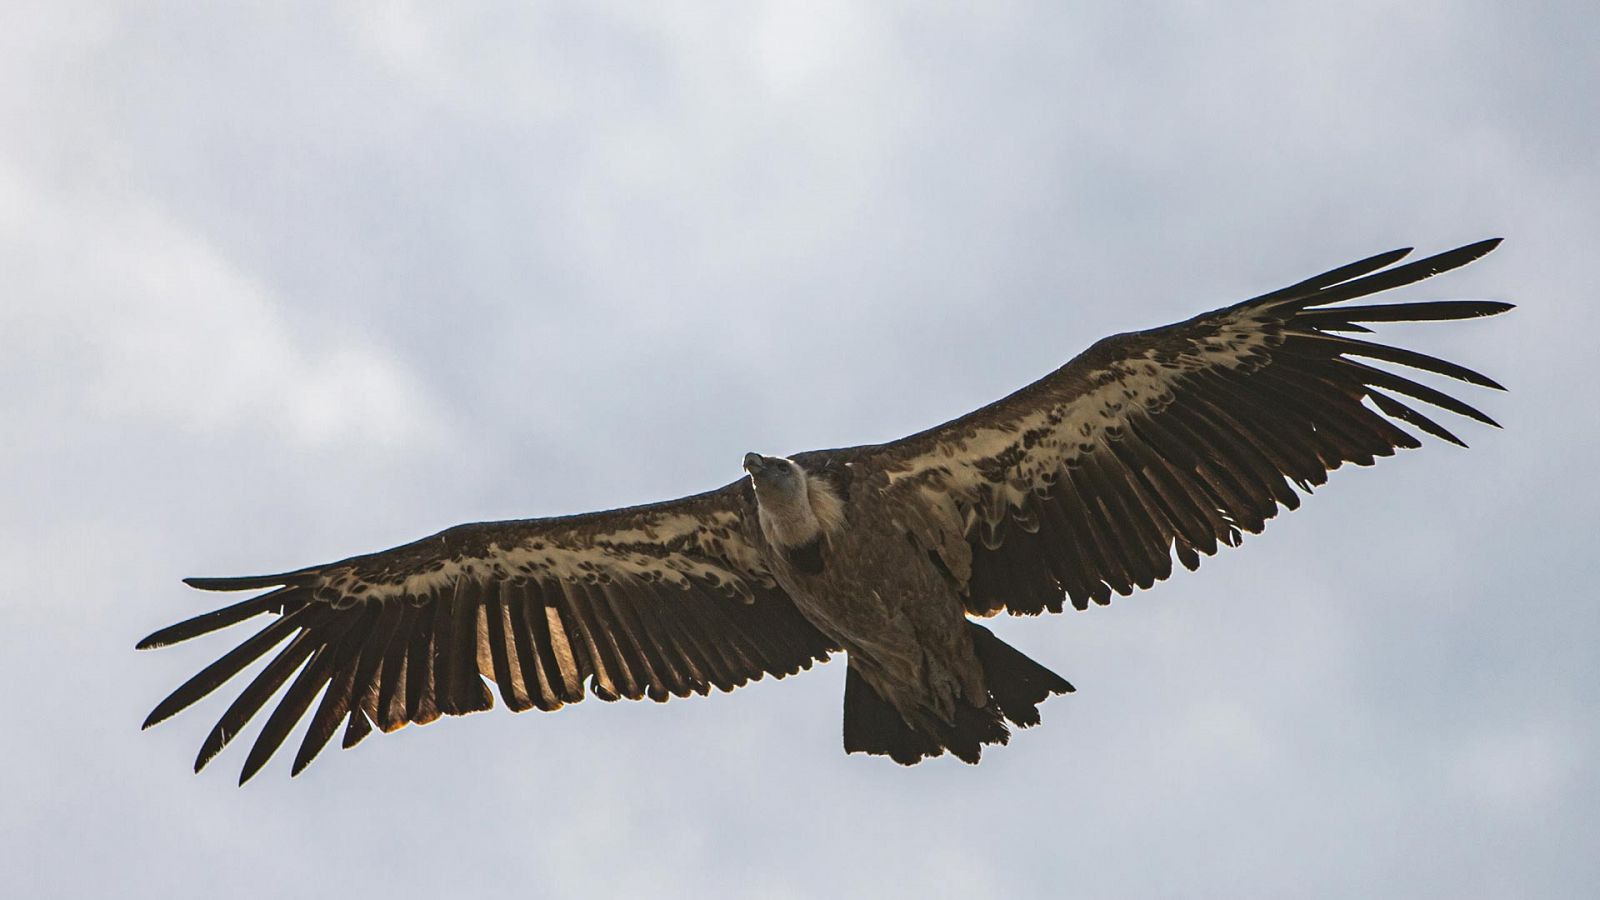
[(754, 462)]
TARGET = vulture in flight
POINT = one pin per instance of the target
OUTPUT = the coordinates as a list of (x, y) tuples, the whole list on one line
[(1149, 446)]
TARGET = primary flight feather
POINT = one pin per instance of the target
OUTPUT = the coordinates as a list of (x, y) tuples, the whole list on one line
[(1148, 446)]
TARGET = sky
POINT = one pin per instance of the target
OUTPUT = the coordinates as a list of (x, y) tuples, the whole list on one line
[(281, 283)]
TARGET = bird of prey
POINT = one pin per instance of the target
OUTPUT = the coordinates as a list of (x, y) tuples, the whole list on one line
[(1148, 446)]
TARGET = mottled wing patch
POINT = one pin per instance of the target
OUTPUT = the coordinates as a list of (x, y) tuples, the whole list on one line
[(671, 549)]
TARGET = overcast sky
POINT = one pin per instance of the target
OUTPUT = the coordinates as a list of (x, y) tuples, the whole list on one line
[(286, 283)]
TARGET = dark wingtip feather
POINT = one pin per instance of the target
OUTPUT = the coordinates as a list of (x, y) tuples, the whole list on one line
[(1460, 256), (1494, 307), (1331, 277), (1410, 358), (216, 619), (241, 583), (1387, 279), (1343, 317), (356, 730), (302, 759), (1392, 407), (1362, 267), (1356, 269)]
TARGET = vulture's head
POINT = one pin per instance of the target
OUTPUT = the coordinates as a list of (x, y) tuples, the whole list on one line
[(775, 476), (794, 509)]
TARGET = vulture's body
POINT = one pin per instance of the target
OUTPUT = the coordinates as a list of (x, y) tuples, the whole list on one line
[(922, 678), (1149, 446)]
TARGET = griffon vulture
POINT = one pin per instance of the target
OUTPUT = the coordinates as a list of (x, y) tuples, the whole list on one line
[(1087, 483)]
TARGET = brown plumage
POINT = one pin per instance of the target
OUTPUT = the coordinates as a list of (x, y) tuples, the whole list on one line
[(1086, 483)]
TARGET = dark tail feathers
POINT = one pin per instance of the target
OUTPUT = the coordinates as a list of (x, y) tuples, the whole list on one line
[(1017, 685)]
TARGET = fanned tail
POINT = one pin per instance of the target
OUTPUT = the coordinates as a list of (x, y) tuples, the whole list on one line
[(1017, 685)]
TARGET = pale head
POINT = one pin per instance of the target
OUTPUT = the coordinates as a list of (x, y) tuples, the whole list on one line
[(774, 475), (794, 508)]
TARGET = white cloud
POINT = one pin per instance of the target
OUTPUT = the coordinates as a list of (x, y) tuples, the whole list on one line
[(151, 324)]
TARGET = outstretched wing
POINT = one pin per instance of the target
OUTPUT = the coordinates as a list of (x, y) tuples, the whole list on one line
[(658, 601), (1170, 441)]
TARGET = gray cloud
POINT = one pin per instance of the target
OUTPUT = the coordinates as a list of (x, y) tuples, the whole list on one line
[(290, 283)]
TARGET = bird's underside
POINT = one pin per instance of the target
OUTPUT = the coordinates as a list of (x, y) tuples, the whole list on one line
[(1148, 446)]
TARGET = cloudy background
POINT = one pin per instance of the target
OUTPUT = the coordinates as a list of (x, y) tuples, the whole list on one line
[(283, 283)]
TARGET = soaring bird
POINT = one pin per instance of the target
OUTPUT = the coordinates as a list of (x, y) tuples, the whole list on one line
[(1148, 446)]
